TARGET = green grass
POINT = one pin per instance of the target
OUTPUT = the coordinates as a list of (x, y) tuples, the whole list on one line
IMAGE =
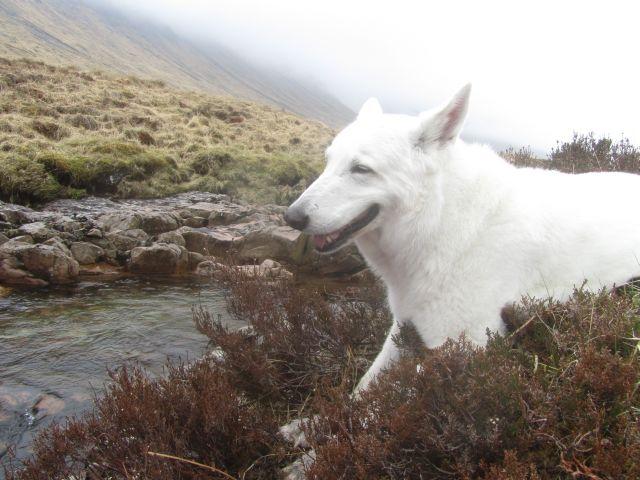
[(64, 132)]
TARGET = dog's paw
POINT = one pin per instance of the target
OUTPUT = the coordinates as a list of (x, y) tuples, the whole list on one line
[(292, 432), (297, 470)]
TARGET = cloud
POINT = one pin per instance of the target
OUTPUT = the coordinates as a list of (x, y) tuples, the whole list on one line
[(540, 70)]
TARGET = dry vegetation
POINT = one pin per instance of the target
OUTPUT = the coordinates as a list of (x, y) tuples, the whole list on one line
[(584, 153), (66, 132), (556, 398)]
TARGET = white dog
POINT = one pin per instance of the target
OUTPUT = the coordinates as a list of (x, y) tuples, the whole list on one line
[(456, 232)]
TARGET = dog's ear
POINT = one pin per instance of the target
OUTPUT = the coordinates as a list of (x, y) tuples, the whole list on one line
[(370, 108), (445, 125)]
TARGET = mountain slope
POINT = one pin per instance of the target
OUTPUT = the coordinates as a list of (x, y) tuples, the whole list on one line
[(66, 132), (73, 32)]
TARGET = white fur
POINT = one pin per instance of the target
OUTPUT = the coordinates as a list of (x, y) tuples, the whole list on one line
[(461, 233)]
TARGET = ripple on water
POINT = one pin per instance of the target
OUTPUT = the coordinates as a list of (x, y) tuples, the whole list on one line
[(57, 343)]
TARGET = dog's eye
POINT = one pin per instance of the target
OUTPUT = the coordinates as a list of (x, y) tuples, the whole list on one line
[(359, 168)]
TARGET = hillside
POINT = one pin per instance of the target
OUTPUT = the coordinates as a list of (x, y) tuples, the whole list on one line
[(76, 32), (68, 132)]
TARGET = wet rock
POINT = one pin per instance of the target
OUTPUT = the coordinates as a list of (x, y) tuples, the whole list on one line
[(195, 259), (345, 261), (100, 269), (210, 269), (127, 239), (207, 242), (59, 244), (272, 242), (46, 262), (12, 272), (66, 224), (195, 222), (225, 214), (159, 258), (200, 209), (3, 238), (86, 253), (172, 237), (154, 223), (113, 222), (195, 241), (271, 269), (37, 230), (48, 405), (15, 242), (16, 214)]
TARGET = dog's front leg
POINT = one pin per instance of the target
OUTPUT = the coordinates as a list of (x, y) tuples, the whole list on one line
[(293, 433), (385, 358)]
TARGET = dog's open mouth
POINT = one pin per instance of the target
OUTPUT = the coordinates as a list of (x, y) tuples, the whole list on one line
[(332, 241)]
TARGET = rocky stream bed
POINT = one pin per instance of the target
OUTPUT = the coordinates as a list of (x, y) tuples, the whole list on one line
[(186, 234)]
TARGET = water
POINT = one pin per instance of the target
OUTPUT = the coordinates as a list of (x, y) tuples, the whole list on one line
[(56, 344)]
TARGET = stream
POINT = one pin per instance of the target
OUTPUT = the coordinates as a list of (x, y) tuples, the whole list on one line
[(57, 343)]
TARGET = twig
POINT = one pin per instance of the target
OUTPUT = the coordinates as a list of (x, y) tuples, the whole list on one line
[(523, 326), (197, 464)]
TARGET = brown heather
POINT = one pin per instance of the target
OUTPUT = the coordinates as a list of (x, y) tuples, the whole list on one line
[(555, 398)]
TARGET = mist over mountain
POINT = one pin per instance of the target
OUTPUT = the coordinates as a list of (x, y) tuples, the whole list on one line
[(92, 35)]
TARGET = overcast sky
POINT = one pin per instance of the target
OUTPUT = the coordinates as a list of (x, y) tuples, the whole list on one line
[(540, 70)]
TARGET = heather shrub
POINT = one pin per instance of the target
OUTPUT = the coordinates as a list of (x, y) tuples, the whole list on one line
[(586, 153), (557, 397)]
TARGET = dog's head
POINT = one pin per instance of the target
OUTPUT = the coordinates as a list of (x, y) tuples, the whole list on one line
[(378, 167)]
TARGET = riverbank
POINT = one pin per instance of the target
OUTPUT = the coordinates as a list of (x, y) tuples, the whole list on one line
[(190, 233)]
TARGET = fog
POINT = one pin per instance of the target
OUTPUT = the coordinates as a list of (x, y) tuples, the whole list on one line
[(540, 70)]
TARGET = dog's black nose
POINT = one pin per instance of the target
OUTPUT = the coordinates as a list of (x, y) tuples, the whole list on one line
[(296, 219)]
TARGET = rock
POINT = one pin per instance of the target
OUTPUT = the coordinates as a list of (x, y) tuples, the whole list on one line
[(226, 214), (207, 242), (272, 242), (12, 272), (159, 258), (37, 230), (59, 244), (345, 261), (211, 269), (195, 241), (195, 222), (99, 269), (16, 242), (159, 222), (95, 233), (195, 259), (200, 209), (127, 239), (16, 214), (3, 238), (48, 405), (86, 253), (113, 222), (47, 262), (67, 224), (267, 269), (172, 237), (273, 269)]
